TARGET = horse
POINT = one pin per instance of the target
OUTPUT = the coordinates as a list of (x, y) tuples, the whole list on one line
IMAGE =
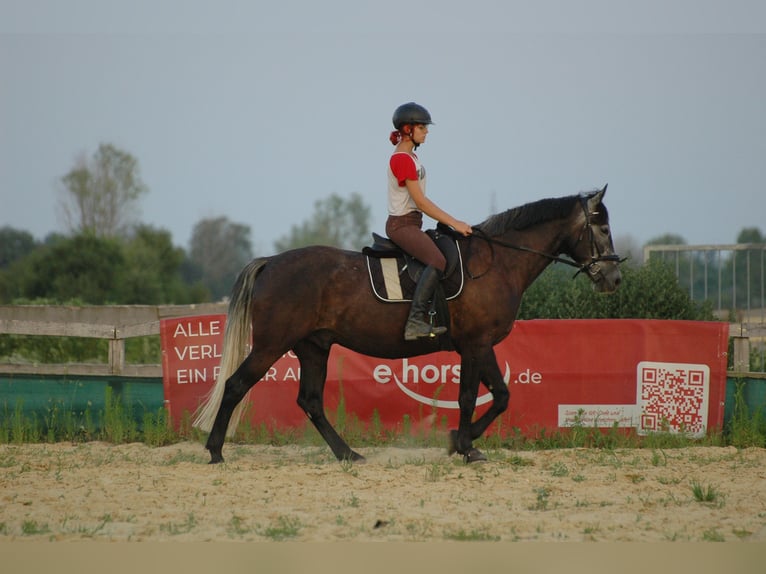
[(311, 298)]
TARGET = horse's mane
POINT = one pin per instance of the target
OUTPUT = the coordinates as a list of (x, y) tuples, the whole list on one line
[(530, 214)]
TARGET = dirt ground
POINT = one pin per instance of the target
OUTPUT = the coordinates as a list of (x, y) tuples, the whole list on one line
[(101, 492)]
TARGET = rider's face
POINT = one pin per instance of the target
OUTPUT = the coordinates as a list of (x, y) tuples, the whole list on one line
[(419, 133)]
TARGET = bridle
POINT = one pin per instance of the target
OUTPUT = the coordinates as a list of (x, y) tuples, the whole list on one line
[(592, 267)]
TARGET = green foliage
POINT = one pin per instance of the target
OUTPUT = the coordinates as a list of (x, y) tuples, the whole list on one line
[(143, 269), (219, 249), (648, 292), (747, 428), (153, 270), (80, 267), (14, 245), (337, 222), (45, 349)]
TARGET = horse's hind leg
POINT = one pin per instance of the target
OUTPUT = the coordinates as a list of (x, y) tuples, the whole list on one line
[(237, 385), (313, 359)]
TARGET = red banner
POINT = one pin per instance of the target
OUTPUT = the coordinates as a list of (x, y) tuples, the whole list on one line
[(646, 374)]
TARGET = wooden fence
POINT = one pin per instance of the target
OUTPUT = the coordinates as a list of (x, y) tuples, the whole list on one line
[(113, 323), (120, 322)]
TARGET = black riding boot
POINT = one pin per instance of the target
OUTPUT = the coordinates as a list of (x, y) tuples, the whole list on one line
[(417, 324)]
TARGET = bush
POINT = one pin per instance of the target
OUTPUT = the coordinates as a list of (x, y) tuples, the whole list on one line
[(648, 292)]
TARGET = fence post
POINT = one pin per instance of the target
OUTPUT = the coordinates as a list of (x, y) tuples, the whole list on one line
[(116, 356), (741, 354)]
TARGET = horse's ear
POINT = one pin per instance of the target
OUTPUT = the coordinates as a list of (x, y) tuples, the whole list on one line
[(595, 199)]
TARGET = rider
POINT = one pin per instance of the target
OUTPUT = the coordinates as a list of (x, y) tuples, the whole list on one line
[(407, 202)]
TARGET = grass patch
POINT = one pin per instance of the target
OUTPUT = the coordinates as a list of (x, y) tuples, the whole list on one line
[(284, 528), (482, 535), (747, 428), (118, 422), (32, 528), (705, 493)]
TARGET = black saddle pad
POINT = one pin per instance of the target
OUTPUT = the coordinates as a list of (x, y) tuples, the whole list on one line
[(391, 281)]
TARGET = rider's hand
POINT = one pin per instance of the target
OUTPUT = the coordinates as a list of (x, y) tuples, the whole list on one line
[(463, 228)]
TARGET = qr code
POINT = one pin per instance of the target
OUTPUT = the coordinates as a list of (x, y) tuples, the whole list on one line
[(673, 397)]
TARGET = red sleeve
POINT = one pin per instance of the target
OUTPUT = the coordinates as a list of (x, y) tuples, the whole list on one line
[(403, 167)]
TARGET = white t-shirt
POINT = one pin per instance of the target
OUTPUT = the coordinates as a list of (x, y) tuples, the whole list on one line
[(401, 167)]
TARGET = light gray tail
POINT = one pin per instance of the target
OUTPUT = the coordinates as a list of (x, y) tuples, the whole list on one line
[(236, 346)]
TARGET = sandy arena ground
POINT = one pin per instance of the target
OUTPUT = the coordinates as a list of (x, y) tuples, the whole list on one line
[(125, 493)]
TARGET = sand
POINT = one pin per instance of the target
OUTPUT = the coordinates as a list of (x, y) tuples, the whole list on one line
[(125, 493)]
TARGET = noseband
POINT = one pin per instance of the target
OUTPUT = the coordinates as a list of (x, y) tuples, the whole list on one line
[(592, 267)]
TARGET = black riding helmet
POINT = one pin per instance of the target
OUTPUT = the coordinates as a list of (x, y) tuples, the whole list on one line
[(411, 113)]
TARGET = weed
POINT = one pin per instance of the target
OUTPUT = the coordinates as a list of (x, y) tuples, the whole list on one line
[(348, 466), (482, 535), (707, 493), (436, 471), (284, 528), (543, 495), (519, 461), (591, 530), (668, 481), (746, 429), (658, 460), (157, 429), (236, 526), (741, 533), (118, 425), (713, 535), (30, 528), (174, 529)]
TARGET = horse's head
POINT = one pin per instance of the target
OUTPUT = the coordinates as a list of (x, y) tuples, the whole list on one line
[(591, 243)]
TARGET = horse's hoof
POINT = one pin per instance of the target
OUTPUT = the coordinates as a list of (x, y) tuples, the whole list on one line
[(215, 458), (474, 455), (354, 457)]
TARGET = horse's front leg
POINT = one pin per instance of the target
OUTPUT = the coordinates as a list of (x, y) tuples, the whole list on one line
[(491, 376), (461, 441)]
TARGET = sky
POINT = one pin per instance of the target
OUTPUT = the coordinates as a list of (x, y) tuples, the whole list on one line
[(256, 110)]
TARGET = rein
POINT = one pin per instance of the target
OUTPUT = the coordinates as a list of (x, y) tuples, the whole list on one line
[(592, 267)]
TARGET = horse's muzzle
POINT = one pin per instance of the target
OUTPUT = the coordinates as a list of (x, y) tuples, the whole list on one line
[(606, 276)]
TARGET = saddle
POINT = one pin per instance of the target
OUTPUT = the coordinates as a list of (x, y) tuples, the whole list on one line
[(394, 274)]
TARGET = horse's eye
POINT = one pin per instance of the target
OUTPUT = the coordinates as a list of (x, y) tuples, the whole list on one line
[(605, 230)]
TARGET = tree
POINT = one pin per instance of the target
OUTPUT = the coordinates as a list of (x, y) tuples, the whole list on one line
[(153, 271), (14, 245), (101, 194), (338, 222), (219, 250), (81, 268)]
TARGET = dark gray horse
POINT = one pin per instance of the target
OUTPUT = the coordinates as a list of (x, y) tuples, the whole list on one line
[(312, 298)]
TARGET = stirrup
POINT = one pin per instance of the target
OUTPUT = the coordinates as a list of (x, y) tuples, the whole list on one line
[(416, 329)]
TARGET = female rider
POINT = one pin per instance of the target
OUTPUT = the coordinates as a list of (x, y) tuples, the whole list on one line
[(407, 202)]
